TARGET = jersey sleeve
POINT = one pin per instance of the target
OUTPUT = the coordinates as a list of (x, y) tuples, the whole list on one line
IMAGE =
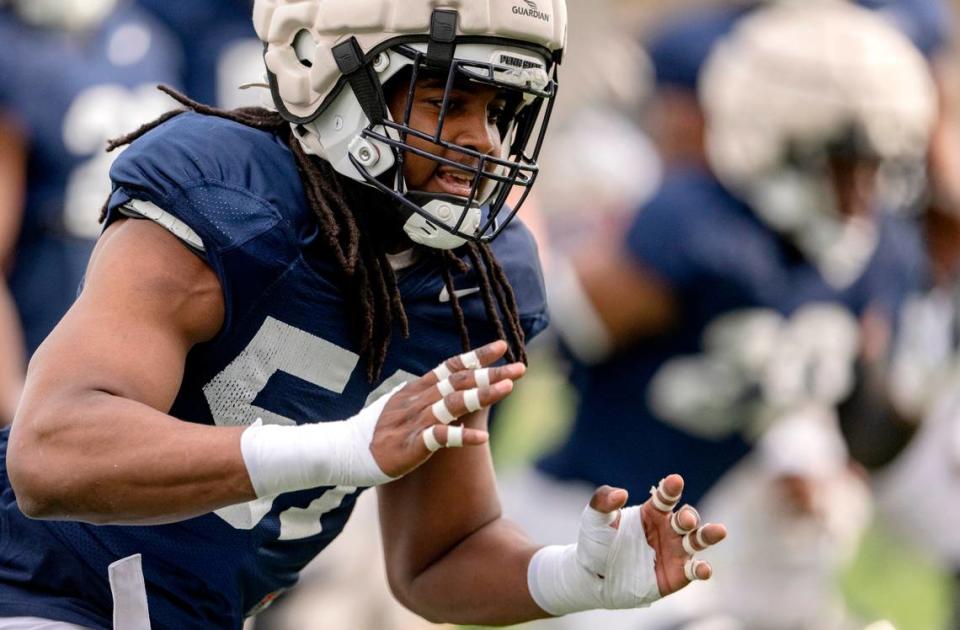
[(517, 252), (661, 237), (927, 23), (207, 180)]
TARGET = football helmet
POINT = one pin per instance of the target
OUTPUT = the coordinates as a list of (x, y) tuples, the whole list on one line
[(328, 62), (73, 15), (791, 86)]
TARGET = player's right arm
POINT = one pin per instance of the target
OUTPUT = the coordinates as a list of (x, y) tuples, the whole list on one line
[(89, 441), (13, 177), (604, 299), (93, 441)]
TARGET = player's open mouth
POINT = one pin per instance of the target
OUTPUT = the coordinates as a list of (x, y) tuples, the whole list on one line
[(454, 182)]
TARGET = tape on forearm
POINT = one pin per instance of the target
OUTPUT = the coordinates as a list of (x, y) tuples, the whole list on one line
[(286, 459), (607, 568)]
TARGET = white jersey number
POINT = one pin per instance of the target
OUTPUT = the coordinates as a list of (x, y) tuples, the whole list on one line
[(279, 347)]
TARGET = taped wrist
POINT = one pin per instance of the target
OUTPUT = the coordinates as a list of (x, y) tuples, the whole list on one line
[(607, 568), (559, 584), (286, 459)]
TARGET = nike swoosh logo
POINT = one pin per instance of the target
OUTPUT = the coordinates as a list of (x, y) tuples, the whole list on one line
[(445, 295)]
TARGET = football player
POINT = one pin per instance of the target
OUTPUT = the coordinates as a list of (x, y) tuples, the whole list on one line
[(97, 62), (262, 332), (224, 52)]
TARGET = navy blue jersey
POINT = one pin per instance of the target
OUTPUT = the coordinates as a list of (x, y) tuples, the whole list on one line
[(285, 354), (690, 400), (224, 51), (72, 92), (928, 23)]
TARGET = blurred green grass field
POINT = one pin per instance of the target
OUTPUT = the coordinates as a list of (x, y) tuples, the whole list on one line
[(886, 580)]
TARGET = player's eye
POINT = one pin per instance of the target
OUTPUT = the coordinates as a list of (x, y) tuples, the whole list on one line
[(496, 113)]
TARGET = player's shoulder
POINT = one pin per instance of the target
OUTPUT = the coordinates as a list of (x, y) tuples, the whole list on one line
[(927, 23), (517, 252), (226, 180), (193, 146), (692, 199)]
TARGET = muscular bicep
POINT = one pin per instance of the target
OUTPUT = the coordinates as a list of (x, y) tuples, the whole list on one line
[(146, 301), (92, 439)]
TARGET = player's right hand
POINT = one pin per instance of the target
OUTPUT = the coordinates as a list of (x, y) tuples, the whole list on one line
[(423, 416)]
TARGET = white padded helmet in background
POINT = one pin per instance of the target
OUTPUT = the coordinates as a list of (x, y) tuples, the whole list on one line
[(792, 82), (73, 15), (328, 62)]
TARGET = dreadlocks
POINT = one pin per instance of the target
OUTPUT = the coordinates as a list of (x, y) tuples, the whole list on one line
[(357, 244)]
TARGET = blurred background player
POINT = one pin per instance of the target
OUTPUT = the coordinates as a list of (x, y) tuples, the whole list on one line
[(75, 73), (222, 50), (734, 301), (905, 426)]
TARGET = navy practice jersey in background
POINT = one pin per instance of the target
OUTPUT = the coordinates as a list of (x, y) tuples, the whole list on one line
[(72, 92), (759, 333), (285, 354), (928, 23), (217, 37)]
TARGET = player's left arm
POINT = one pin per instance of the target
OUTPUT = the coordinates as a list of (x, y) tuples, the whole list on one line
[(451, 557), (440, 525)]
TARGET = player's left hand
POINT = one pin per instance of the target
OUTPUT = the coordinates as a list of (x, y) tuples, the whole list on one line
[(665, 531), (624, 557)]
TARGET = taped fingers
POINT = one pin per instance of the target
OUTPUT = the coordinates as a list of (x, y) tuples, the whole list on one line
[(471, 400), (662, 499), (470, 361), (442, 372), (466, 402), (676, 520), (454, 438), (694, 542), (445, 387), (473, 360), (694, 570), (441, 412), (467, 361), (482, 377), (463, 380)]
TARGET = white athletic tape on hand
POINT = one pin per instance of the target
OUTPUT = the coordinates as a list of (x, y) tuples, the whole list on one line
[(430, 439), (698, 536), (675, 520), (690, 569), (482, 377), (607, 568), (471, 398), (668, 502), (700, 539), (442, 371), (441, 413), (470, 361), (283, 459), (445, 387), (454, 437)]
